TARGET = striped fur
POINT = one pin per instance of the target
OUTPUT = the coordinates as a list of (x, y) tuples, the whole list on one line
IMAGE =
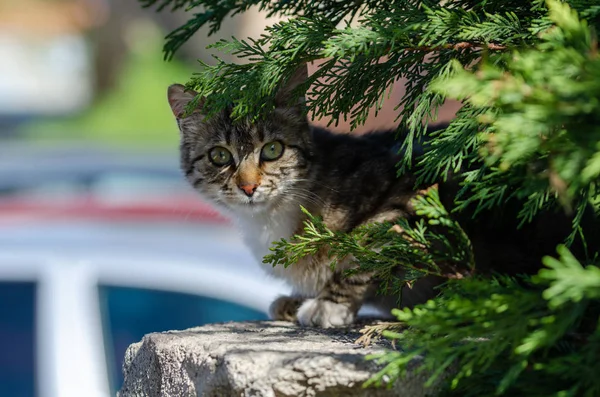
[(347, 180)]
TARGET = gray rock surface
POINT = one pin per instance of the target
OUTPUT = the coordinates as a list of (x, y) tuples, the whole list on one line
[(270, 359)]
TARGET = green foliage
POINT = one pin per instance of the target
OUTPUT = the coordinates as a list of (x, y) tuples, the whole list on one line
[(435, 245), (528, 75), (541, 129), (507, 336), (569, 281)]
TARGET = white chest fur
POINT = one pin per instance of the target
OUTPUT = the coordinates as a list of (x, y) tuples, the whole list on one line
[(261, 229)]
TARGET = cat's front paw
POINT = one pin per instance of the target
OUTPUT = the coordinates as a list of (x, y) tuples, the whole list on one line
[(285, 308), (324, 314)]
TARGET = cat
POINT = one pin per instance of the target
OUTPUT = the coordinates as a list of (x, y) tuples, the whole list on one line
[(261, 173)]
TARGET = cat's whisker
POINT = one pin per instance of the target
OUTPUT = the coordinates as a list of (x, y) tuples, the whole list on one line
[(225, 170), (295, 195), (296, 188), (314, 199), (302, 198)]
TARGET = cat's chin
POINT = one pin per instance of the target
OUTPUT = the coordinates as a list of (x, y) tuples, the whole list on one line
[(250, 206)]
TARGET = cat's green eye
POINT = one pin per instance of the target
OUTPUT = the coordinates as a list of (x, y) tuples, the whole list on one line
[(220, 156), (271, 151)]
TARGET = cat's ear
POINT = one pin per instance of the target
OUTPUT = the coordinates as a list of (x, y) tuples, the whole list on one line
[(179, 97), (285, 97)]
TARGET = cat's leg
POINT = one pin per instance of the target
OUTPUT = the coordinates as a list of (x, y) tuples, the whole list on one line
[(338, 303), (285, 308)]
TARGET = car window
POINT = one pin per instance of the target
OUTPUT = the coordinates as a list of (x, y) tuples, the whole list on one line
[(17, 339), (130, 313)]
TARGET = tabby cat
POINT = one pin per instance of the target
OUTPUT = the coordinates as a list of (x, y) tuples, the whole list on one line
[(261, 173)]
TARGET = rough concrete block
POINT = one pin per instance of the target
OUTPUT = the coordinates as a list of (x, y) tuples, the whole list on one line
[(266, 359)]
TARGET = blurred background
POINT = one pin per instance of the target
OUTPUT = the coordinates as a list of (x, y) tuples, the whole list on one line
[(101, 240)]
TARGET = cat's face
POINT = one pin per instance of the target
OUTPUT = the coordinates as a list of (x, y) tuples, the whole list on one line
[(244, 166)]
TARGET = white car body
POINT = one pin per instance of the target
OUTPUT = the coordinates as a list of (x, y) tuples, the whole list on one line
[(69, 261)]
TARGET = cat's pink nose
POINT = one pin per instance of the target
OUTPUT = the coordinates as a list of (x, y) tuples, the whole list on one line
[(249, 188)]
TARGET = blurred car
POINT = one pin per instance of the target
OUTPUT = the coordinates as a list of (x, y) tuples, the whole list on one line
[(99, 247), (77, 181), (76, 294)]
